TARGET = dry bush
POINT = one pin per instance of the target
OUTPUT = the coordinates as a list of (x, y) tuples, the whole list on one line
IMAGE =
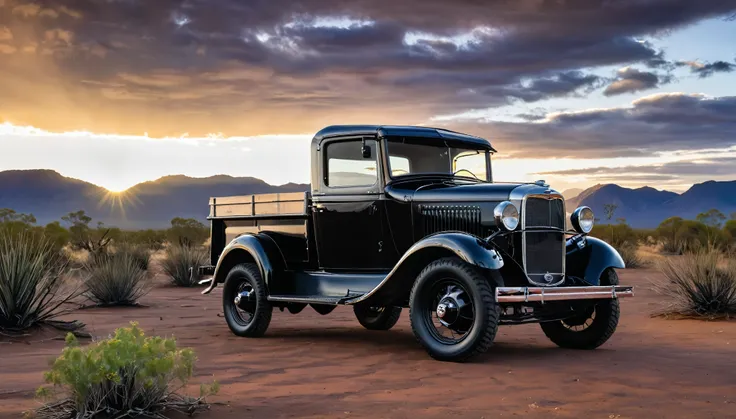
[(179, 259), (32, 286), (698, 284), (115, 279), (632, 259), (127, 375)]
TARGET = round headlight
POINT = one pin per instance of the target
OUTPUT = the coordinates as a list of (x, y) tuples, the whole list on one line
[(582, 219), (506, 215)]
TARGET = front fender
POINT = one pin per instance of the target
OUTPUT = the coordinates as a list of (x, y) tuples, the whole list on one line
[(249, 248), (464, 246), (591, 260), (468, 248)]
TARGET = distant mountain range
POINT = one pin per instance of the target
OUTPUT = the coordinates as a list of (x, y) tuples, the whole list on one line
[(48, 196), (647, 207)]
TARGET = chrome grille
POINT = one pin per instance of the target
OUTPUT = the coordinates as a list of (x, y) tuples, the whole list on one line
[(544, 252), (437, 218)]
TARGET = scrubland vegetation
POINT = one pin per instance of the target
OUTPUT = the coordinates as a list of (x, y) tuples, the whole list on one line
[(127, 375), (699, 270), (49, 271)]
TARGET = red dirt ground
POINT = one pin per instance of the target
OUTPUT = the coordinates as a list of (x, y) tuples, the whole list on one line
[(312, 366)]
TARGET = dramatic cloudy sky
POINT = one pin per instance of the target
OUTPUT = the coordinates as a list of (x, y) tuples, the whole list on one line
[(578, 92)]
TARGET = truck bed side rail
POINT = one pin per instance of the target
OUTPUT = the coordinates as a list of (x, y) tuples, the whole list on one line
[(272, 204)]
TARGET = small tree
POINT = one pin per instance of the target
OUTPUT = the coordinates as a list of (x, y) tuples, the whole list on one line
[(667, 234), (56, 234), (713, 219), (610, 210), (16, 222), (82, 236), (730, 229)]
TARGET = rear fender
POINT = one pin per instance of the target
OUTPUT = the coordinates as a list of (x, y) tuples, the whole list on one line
[(249, 248), (395, 288), (589, 261)]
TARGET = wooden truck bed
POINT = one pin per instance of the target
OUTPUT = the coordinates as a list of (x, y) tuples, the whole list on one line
[(283, 216), (260, 205)]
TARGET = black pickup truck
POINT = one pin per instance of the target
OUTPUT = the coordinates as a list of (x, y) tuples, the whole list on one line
[(410, 217)]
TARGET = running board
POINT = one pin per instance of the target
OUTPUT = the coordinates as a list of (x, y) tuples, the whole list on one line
[(540, 294), (313, 299)]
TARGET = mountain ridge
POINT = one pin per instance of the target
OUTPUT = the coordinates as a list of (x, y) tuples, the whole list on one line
[(646, 207), (48, 195)]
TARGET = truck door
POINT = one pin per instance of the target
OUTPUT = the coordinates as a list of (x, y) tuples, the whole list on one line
[(348, 211)]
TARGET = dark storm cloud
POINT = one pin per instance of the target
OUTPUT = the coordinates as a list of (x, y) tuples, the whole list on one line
[(630, 80), (704, 70), (199, 66), (657, 123)]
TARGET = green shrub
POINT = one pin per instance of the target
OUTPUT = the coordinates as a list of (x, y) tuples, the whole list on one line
[(699, 284), (127, 375), (179, 259), (187, 232), (151, 239), (115, 279), (32, 289)]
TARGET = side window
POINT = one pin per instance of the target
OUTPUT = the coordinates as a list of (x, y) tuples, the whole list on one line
[(346, 166)]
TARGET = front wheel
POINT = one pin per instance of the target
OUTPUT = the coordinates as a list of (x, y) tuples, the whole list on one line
[(453, 312), (377, 318), (245, 302), (592, 327)]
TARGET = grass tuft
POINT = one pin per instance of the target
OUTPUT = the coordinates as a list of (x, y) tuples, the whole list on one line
[(699, 284), (115, 279), (179, 259)]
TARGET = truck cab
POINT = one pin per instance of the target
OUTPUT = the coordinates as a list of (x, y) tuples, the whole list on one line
[(401, 217)]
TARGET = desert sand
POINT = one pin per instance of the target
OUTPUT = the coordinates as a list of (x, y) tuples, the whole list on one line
[(313, 366)]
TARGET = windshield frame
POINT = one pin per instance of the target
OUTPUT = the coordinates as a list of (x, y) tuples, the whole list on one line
[(433, 142)]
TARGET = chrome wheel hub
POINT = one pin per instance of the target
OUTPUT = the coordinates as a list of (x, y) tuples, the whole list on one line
[(453, 311)]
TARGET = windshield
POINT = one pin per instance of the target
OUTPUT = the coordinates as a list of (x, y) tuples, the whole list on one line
[(429, 156)]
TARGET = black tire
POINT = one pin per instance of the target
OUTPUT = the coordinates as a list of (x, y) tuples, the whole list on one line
[(481, 330), (602, 317), (244, 277), (377, 318)]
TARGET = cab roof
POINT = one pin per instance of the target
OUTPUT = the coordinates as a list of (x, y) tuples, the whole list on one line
[(398, 131)]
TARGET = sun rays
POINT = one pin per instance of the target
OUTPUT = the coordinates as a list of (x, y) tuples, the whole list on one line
[(118, 201)]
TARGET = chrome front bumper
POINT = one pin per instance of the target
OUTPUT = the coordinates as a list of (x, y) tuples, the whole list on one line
[(541, 294)]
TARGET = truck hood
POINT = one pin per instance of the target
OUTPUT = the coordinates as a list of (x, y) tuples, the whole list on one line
[(459, 193)]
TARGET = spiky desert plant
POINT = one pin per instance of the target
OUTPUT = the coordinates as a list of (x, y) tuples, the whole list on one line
[(32, 283), (178, 261), (139, 253), (698, 284), (115, 279), (126, 375)]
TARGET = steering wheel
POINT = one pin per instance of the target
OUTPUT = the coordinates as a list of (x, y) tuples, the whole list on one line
[(465, 170)]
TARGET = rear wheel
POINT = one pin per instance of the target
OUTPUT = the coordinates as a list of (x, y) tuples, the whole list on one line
[(592, 327), (244, 301), (377, 318), (453, 313)]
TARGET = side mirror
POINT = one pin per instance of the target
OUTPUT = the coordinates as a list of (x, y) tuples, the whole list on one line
[(366, 150)]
